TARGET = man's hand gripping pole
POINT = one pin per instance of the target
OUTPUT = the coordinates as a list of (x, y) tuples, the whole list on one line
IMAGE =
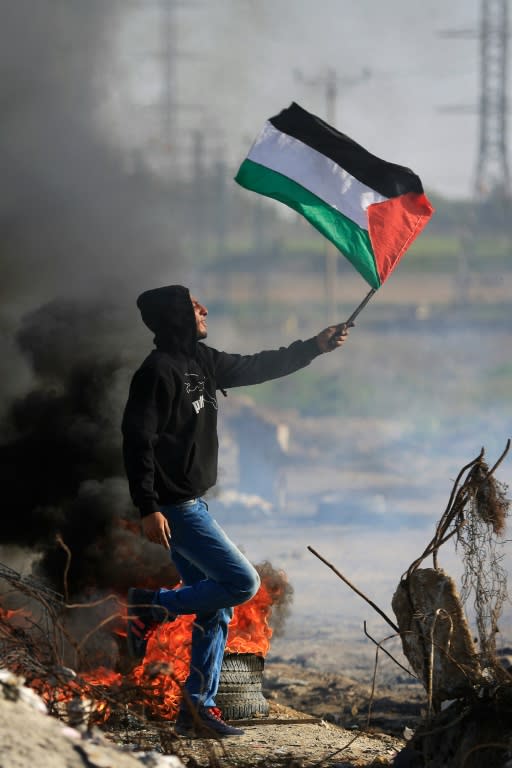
[(350, 322)]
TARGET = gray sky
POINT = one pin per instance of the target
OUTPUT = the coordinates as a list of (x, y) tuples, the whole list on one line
[(238, 64), (84, 80)]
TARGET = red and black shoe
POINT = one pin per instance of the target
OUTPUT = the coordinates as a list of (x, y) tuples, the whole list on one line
[(142, 620), (204, 723)]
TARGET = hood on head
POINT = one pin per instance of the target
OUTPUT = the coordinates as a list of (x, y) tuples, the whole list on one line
[(169, 313)]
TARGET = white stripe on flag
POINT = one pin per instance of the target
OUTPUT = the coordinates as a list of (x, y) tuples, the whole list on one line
[(316, 172)]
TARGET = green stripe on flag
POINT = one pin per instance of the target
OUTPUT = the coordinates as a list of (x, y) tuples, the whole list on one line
[(348, 237)]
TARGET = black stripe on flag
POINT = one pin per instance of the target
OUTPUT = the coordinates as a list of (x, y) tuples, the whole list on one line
[(386, 178)]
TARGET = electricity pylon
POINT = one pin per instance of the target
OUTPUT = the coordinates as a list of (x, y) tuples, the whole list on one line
[(492, 177), (492, 170)]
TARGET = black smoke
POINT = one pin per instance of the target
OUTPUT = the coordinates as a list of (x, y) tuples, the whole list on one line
[(79, 216), (82, 231), (61, 469)]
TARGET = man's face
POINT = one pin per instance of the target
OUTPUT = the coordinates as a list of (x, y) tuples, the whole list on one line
[(200, 312)]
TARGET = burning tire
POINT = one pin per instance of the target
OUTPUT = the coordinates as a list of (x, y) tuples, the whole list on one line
[(239, 695)]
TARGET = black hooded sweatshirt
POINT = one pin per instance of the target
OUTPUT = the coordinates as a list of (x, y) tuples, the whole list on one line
[(170, 443)]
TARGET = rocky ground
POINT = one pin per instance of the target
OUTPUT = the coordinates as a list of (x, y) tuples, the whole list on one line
[(342, 700), (289, 738), (315, 719)]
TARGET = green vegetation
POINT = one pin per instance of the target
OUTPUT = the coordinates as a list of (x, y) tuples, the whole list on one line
[(239, 232), (313, 394), (432, 252)]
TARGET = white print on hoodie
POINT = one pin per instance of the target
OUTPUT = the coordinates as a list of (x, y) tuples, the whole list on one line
[(195, 383)]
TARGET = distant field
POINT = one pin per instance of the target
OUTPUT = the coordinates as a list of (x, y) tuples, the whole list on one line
[(404, 286), (305, 251)]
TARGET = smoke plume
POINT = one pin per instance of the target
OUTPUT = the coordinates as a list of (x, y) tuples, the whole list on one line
[(61, 464), (81, 230)]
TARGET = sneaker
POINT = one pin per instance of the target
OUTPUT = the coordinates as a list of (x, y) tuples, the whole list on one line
[(205, 723), (141, 621)]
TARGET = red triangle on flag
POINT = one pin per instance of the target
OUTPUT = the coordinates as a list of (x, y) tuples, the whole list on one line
[(393, 225)]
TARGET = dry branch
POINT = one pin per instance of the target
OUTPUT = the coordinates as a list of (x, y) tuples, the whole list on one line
[(355, 589)]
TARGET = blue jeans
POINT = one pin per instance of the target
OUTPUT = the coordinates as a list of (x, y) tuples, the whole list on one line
[(216, 577)]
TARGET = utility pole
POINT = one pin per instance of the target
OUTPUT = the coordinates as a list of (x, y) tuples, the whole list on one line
[(168, 106), (331, 82), (169, 71), (171, 105)]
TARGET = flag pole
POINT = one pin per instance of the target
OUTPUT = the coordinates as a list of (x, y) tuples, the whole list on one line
[(358, 309), (350, 322)]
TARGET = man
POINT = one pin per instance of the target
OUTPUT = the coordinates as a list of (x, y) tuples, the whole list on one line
[(170, 450)]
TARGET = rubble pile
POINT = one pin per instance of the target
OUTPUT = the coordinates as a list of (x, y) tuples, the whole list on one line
[(28, 736)]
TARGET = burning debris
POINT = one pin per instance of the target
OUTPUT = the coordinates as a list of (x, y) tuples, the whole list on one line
[(40, 640), (168, 655)]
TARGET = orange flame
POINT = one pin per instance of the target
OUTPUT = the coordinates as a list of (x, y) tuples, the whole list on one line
[(166, 664), (249, 631), (160, 678)]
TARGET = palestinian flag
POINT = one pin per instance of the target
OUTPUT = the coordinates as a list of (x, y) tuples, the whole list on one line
[(370, 209)]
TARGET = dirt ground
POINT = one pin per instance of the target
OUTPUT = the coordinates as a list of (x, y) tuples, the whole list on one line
[(315, 719), (292, 739)]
